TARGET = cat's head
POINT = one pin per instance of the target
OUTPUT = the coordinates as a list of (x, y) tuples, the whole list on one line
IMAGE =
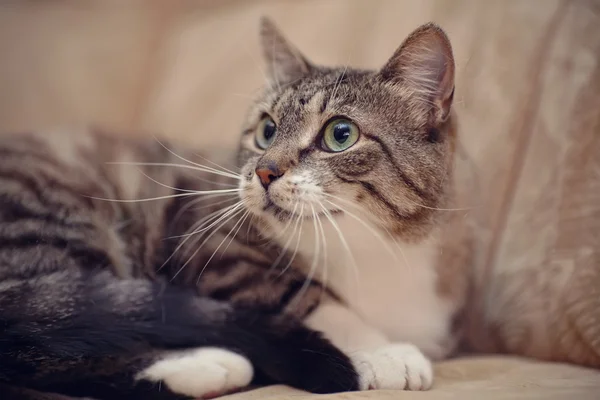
[(326, 140)]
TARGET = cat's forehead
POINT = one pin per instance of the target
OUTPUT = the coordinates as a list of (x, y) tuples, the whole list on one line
[(315, 93)]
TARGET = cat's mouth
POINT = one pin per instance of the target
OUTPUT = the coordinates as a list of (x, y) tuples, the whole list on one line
[(299, 212)]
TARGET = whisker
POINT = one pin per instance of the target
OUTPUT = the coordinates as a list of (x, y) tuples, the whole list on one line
[(216, 165), (196, 167), (197, 229), (384, 242), (210, 217), (365, 224), (165, 185), (438, 209), (384, 228), (210, 182), (289, 241), (273, 68), (198, 226), (200, 229), (399, 248), (186, 160), (297, 242), (206, 240), (381, 238), (324, 239), (289, 222), (171, 196), (282, 232), (211, 204), (193, 203), (314, 264), (252, 216), (243, 219), (337, 85), (344, 244)]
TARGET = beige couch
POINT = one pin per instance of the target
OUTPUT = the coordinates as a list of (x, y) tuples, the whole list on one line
[(528, 95)]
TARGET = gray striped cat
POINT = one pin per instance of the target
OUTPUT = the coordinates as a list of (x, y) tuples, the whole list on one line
[(125, 264)]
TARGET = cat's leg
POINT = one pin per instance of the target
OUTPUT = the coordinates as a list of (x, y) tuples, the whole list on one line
[(380, 363)]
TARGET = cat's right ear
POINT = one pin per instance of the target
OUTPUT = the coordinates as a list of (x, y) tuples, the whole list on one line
[(284, 62), (423, 66)]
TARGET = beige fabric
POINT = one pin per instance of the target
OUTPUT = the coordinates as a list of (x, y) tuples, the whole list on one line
[(476, 379), (528, 96)]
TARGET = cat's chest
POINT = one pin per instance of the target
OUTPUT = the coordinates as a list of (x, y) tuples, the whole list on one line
[(391, 285)]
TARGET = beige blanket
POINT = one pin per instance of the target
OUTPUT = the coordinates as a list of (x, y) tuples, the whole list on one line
[(473, 378), (528, 96)]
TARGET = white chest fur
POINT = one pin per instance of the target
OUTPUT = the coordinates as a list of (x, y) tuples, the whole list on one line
[(392, 286)]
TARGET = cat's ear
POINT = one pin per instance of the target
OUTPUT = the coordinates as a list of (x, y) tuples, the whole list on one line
[(425, 66), (284, 62)]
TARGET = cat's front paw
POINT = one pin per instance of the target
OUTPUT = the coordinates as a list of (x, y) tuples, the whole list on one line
[(398, 366), (201, 373)]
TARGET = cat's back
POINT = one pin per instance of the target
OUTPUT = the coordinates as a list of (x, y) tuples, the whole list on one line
[(91, 162), (62, 195)]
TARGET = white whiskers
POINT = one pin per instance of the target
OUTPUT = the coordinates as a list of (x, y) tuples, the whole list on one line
[(171, 196), (337, 84), (217, 165), (289, 241), (196, 167), (203, 167), (300, 220), (225, 218), (199, 227), (344, 243), (239, 222), (314, 263), (362, 222), (323, 238)]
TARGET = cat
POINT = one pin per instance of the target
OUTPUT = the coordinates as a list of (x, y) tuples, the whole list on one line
[(120, 279), (327, 257)]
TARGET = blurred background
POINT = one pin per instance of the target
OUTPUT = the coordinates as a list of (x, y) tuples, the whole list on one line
[(527, 90)]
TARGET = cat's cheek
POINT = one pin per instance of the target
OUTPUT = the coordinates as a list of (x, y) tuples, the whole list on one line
[(354, 164)]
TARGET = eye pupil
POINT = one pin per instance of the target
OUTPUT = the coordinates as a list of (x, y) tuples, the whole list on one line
[(341, 132), (269, 130), (339, 135), (265, 132)]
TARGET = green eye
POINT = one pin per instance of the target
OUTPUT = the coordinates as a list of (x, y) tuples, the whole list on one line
[(339, 135), (265, 133)]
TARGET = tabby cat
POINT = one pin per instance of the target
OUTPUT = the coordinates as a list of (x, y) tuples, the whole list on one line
[(123, 261), (132, 269)]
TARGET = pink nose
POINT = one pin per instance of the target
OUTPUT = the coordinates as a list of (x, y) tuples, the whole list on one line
[(267, 175)]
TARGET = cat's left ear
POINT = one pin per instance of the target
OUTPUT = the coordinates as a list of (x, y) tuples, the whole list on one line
[(424, 65), (284, 62)]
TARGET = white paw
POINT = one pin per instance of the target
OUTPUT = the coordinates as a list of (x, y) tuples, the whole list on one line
[(396, 366), (201, 373)]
